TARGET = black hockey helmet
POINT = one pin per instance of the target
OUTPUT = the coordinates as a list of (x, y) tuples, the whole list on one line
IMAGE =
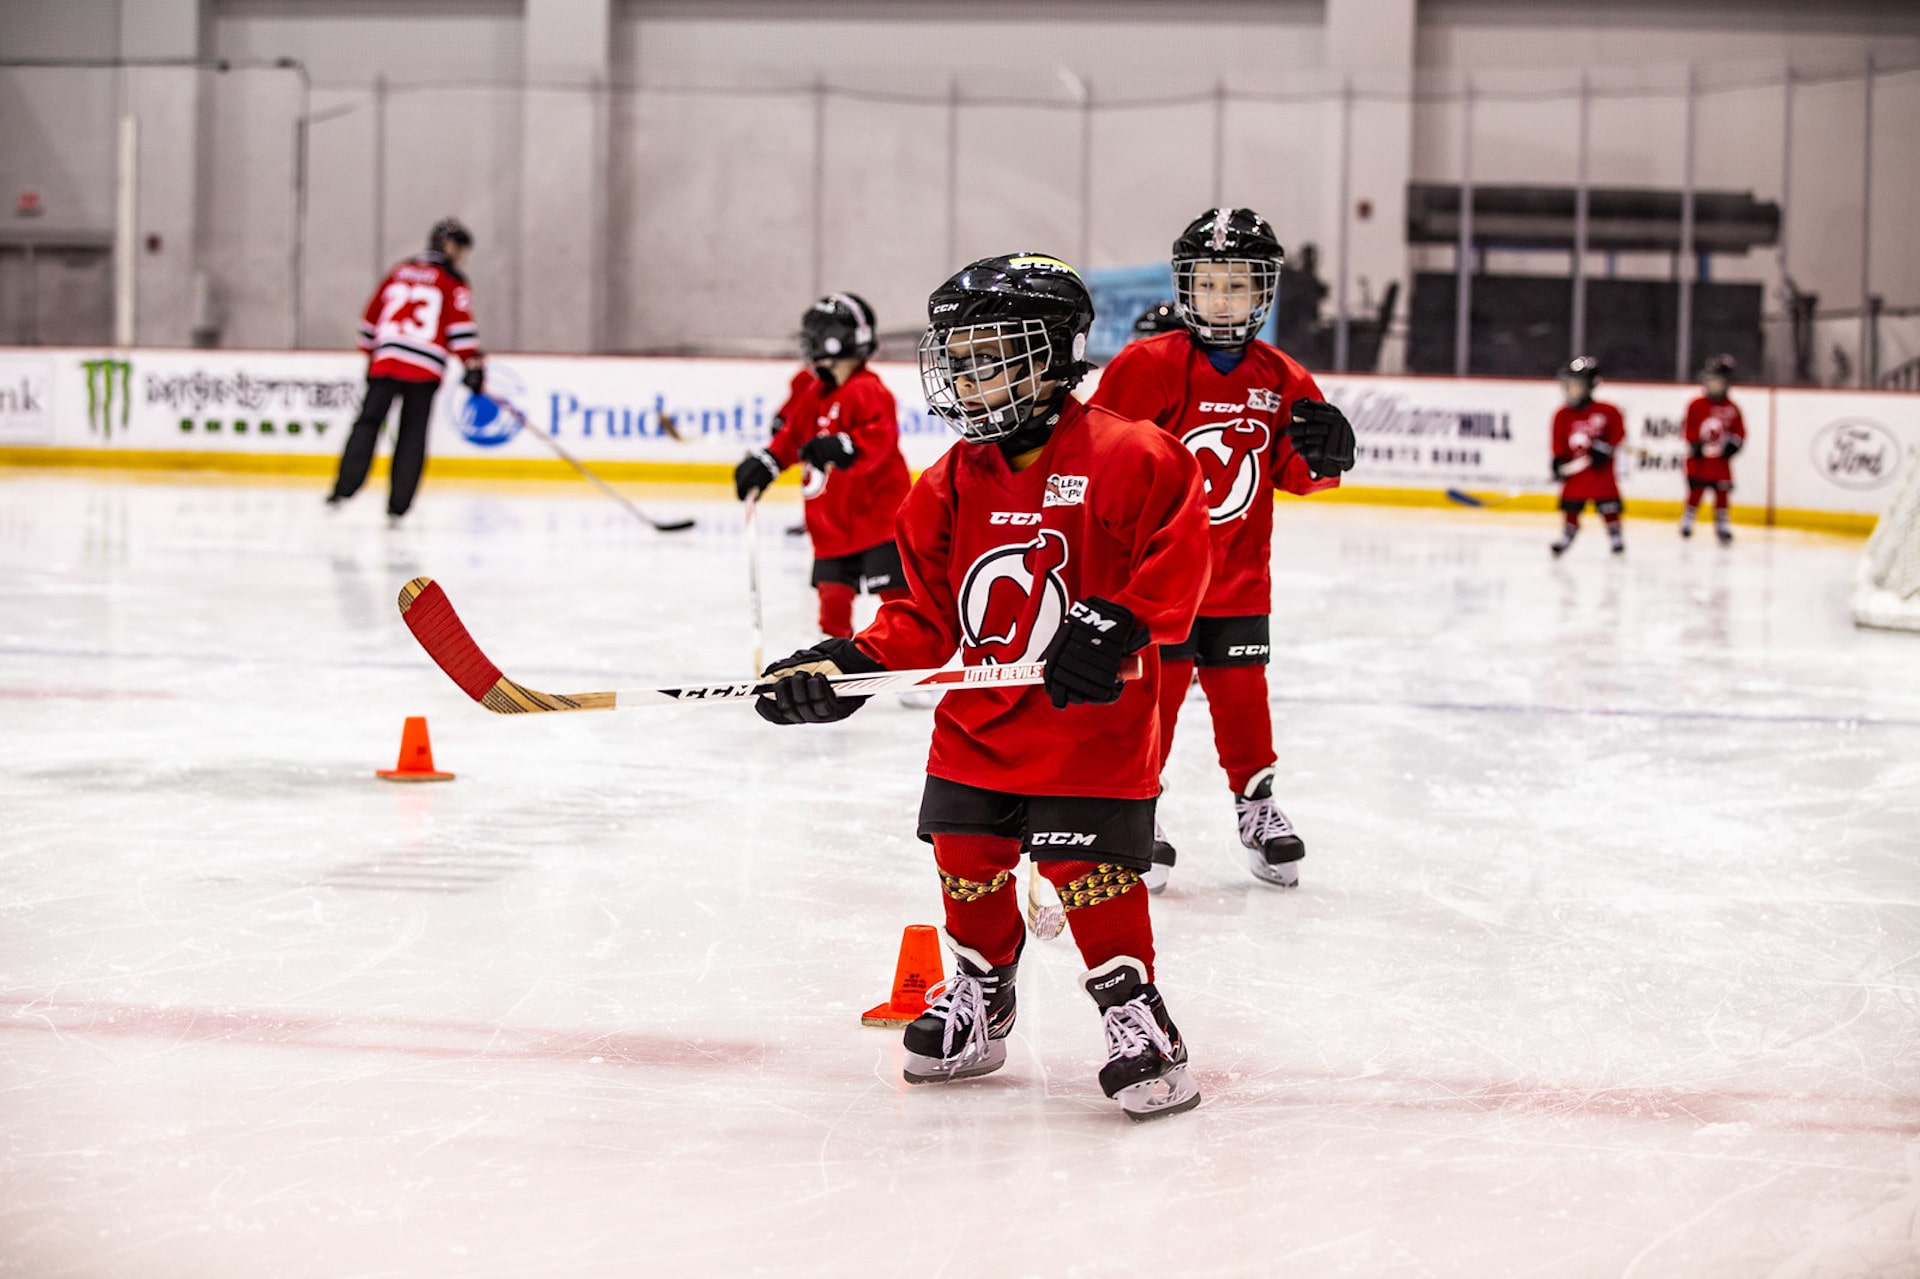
[(1013, 330), (1161, 317), (837, 327), (1583, 369), (449, 231), (1720, 366), (1244, 243)]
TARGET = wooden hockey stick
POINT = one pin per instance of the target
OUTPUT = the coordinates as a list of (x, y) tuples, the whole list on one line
[(1046, 921), (430, 616), (659, 526)]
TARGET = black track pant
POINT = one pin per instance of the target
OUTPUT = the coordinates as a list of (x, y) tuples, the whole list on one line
[(409, 447)]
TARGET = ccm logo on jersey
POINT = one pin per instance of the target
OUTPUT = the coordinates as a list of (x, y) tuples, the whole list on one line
[(1247, 650), (1056, 838), (1065, 490), (1014, 517)]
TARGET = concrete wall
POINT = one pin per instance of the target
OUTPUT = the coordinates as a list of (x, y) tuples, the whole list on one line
[(656, 185)]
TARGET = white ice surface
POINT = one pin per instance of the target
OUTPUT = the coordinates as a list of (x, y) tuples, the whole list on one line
[(1605, 963)]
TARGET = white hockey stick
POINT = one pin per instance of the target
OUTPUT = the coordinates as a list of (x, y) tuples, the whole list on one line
[(430, 616), (1046, 921), (753, 584)]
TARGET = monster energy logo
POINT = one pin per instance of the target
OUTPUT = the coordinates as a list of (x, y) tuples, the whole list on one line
[(109, 384)]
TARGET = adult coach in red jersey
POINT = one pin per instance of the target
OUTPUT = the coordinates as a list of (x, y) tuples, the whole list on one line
[(1058, 533), (1715, 432), (1586, 434), (1256, 421), (839, 421), (420, 317)]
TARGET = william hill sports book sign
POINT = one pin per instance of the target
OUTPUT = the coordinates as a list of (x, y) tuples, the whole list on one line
[(1825, 458)]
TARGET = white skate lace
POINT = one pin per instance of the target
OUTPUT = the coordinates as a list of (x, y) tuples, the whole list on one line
[(1260, 821), (1132, 1029), (961, 998)]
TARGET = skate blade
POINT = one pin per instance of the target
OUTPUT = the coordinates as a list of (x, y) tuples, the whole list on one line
[(1280, 875), (1170, 1094), (943, 1070)]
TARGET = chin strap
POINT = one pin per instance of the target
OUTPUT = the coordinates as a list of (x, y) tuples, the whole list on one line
[(825, 373)]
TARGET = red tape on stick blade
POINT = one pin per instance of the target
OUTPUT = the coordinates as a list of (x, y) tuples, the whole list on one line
[(438, 628)]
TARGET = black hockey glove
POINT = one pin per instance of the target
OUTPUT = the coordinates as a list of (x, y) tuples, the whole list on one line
[(476, 379), (1730, 446), (823, 451), (1322, 435), (1083, 661), (1561, 462), (1599, 451), (756, 470), (1697, 451), (801, 693)]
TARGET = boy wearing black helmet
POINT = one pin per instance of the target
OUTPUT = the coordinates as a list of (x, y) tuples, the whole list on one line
[(419, 318), (1052, 532), (839, 422), (1256, 422), (1715, 433), (1586, 434)]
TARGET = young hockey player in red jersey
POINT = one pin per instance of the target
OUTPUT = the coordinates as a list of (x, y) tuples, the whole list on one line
[(1586, 434), (1256, 421), (1715, 433), (1052, 532), (421, 315), (839, 421)]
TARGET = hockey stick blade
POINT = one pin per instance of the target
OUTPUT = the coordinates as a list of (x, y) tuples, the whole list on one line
[(429, 615), (512, 410)]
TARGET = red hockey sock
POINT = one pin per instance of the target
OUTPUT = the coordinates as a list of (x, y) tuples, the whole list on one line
[(1720, 499), (1693, 499), (1174, 679), (836, 609), (1242, 721), (1106, 909), (982, 898), (1613, 525)]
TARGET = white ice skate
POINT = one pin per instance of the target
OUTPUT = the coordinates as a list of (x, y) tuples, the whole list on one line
[(1274, 849), (964, 1031), (1161, 870), (1146, 1070)]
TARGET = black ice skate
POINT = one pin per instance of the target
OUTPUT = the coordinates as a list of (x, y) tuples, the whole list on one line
[(1156, 876), (963, 1033), (1146, 1070), (1274, 849), (1559, 548)]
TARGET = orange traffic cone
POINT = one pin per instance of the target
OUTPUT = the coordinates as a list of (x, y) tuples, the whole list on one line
[(918, 969), (416, 756)]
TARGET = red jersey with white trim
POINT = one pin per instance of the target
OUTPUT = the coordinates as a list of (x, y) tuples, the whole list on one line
[(848, 510), (1710, 424), (419, 317), (1235, 424), (1574, 430), (995, 558)]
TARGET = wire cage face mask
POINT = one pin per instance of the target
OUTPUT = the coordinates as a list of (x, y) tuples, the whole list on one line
[(1208, 289), (986, 380)]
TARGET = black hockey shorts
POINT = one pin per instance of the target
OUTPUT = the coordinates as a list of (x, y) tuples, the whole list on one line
[(1709, 486), (1050, 828), (1223, 641), (1606, 506), (873, 570)]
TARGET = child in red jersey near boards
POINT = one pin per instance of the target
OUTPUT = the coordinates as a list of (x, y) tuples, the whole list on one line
[(1052, 532), (1586, 435), (1715, 434), (840, 424), (1256, 422)]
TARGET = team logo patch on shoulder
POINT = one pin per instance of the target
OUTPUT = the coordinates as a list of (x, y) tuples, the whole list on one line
[(1263, 397), (1065, 490)]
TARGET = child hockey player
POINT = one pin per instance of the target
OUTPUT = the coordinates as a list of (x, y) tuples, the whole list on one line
[(1586, 433), (1715, 433), (839, 422), (1052, 532), (1256, 422)]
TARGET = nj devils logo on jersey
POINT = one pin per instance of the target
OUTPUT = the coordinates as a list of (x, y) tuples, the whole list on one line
[(1229, 455), (1013, 599)]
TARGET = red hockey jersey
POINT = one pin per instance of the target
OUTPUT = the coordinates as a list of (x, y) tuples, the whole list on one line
[(847, 510), (421, 315), (995, 558), (1235, 424), (1574, 431), (1710, 424)]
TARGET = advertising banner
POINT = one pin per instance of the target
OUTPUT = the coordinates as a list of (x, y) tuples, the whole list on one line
[(26, 399)]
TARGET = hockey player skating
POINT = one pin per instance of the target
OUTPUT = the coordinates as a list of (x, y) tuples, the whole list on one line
[(839, 422), (1055, 532), (1256, 422), (1715, 434), (419, 317), (1586, 434)]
